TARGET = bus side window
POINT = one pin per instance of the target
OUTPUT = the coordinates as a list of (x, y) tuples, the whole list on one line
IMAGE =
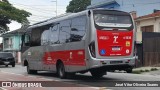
[(54, 33), (45, 38), (65, 28), (25, 44), (27, 40), (37, 33), (78, 28)]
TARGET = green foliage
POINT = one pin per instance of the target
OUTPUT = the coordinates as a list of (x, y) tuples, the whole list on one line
[(9, 13), (142, 71), (78, 5), (154, 69), (146, 70), (136, 72)]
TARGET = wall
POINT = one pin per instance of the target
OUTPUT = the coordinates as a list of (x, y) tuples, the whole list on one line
[(151, 50), (17, 41), (152, 21), (7, 43), (98, 1)]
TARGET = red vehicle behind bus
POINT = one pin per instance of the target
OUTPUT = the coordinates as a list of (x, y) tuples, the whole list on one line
[(97, 40)]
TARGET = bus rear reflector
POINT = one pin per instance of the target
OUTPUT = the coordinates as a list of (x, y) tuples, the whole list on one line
[(92, 49)]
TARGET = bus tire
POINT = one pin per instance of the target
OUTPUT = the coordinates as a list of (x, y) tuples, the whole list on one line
[(97, 74), (61, 71), (129, 70), (29, 71)]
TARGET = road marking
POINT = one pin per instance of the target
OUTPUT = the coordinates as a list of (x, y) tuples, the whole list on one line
[(27, 76), (3, 88), (54, 80)]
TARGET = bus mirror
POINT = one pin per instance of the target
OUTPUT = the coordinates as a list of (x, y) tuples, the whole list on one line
[(74, 29), (89, 13)]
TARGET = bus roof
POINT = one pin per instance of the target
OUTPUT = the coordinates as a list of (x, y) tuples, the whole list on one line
[(58, 18), (65, 16)]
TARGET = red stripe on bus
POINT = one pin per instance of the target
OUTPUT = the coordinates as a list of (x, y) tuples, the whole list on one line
[(69, 57)]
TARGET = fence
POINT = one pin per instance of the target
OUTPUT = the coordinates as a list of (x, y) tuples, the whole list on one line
[(151, 49)]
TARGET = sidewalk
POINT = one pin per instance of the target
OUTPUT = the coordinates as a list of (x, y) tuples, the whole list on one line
[(145, 68)]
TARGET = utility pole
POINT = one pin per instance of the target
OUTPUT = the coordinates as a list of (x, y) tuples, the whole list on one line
[(56, 7)]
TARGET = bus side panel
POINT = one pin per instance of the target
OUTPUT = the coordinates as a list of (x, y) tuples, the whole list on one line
[(77, 56), (34, 56), (50, 57), (71, 54)]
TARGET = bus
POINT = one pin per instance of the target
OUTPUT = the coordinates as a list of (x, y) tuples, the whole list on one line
[(95, 41)]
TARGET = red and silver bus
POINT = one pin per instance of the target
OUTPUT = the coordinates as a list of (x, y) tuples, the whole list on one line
[(96, 40)]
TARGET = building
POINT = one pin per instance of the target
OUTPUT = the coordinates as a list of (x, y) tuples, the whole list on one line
[(148, 39), (12, 43), (147, 23), (142, 7)]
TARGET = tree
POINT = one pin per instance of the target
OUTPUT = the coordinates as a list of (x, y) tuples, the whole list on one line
[(9, 13), (78, 5)]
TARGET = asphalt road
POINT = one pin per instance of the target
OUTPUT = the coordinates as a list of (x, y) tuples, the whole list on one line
[(88, 80)]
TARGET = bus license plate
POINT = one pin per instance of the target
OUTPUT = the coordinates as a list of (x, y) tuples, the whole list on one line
[(116, 48)]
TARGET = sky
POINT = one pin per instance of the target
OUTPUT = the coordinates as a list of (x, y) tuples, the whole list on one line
[(40, 9)]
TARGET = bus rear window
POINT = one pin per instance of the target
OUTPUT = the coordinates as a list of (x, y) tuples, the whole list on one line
[(112, 21)]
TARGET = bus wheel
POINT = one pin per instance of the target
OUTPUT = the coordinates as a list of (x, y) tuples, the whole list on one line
[(29, 71), (97, 74), (129, 70), (61, 71)]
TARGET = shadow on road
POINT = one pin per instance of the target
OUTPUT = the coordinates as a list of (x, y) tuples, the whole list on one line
[(84, 80)]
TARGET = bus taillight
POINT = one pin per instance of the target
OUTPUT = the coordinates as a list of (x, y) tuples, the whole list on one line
[(92, 49)]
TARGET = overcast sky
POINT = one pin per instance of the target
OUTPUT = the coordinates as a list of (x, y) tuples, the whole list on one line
[(40, 9)]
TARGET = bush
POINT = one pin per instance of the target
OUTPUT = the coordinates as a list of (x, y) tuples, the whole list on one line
[(136, 72), (146, 70), (154, 69), (142, 71)]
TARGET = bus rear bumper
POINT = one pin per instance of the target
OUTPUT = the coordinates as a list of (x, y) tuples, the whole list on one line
[(113, 64), (114, 67)]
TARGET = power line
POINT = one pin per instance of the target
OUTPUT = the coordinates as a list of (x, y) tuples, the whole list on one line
[(33, 15), (50, 7), (35, 4), (36, 9)]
